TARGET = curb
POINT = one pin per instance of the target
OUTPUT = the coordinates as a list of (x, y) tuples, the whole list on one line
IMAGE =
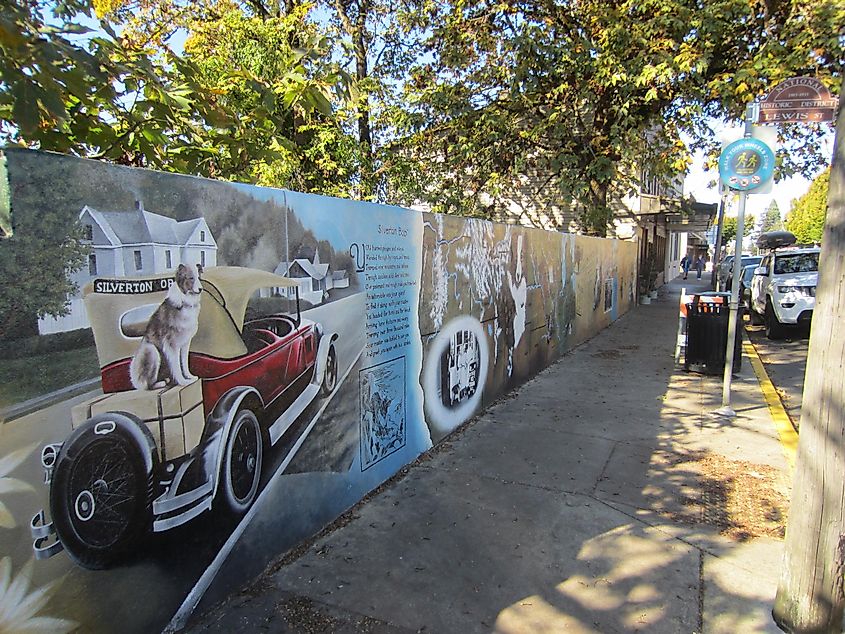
[(40, 402), (786, 432)]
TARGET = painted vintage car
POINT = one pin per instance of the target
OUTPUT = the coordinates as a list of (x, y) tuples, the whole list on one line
[(139, 461)]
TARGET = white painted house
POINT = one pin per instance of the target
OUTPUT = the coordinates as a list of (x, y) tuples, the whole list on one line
[(313, 278), (137, 243)]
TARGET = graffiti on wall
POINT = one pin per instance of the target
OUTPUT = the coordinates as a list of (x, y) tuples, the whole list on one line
[(238, 365)]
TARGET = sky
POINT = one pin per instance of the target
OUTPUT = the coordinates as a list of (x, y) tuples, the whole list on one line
[(703, 184)]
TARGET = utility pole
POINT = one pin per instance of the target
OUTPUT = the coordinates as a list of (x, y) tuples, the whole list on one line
[(810, 594)]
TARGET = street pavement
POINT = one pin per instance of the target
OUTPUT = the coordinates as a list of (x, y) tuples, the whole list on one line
[(572, 504), (786, 364)]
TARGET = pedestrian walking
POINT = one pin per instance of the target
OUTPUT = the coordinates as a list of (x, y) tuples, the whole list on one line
[(686, 261), (699, 266)]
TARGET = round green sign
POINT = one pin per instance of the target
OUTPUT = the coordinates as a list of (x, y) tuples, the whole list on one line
[(746, 164)]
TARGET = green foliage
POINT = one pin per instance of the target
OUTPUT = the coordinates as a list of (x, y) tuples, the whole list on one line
[(770, 221), (34, 263), (39, 345), (251, 101), (23, 378), (276, 75), (729, 227), (68, 90), (589, 93), (452, 104), (807, 216), (230, 110)]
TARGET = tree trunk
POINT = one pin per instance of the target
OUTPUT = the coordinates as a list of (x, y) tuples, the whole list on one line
[(364, 133), (597, 215), (355, 24), (810, 594)]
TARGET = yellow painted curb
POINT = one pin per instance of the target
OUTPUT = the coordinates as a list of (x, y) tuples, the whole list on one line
[(786, 432)]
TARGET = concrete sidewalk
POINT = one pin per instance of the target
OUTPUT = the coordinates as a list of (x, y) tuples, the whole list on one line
[(583, 502)]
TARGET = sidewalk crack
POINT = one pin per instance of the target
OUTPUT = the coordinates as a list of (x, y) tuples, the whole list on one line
[(700, 590), (604, 468)]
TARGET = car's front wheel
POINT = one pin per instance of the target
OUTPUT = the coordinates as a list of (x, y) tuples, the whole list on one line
[(241, 468), (100, 494), (330, 374), (774, 329)]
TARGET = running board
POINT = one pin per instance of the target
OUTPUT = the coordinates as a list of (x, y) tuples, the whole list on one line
[(296, 408)]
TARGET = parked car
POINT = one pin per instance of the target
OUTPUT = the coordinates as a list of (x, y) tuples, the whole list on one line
[(745, 286), (746, 260), (722, 270), (783, 289), (149, 460)]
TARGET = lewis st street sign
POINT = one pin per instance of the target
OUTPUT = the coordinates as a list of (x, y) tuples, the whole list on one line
[(798, 100)]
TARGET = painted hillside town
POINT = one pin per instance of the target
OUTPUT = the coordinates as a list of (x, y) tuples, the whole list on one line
[(478, 317), (314, 279)]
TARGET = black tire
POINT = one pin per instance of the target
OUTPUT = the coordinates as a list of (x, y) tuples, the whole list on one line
[(240, 472), (330, 373), (774, 329), (754, 317), (100, 495)]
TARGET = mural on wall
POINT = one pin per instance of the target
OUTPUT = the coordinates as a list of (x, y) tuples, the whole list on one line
[(238, 365), (500, 307)]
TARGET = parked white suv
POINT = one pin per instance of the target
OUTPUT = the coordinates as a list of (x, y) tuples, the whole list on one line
[(783, 290)]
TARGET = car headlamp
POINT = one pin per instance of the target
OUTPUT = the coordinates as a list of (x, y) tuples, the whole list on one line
[(809, 291)]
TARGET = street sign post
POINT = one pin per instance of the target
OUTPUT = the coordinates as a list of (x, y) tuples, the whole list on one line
[(744, 166), (747, 165)]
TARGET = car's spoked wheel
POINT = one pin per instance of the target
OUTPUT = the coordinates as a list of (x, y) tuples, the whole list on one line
[(330, 375), (242, 462), (99, 499)]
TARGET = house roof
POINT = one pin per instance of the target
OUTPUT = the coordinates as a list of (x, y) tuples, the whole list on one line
[(316, 269), (186, 228), (140, 225), (102, 223)]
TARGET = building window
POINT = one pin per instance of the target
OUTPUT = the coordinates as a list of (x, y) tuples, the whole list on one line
[(92, 264), (202, 236), (650, 185), (139, 263), (87, 232), (202, 258), (168, 263)]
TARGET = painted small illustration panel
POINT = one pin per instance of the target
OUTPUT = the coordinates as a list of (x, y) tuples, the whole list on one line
[(382, 410)]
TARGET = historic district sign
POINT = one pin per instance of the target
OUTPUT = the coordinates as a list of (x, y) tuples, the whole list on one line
[(798, 100), (746, 164)]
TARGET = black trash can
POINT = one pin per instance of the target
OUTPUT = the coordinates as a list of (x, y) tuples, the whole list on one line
[(707, 338)]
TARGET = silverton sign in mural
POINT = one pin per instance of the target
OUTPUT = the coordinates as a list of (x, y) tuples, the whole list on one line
[(235, 366)]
